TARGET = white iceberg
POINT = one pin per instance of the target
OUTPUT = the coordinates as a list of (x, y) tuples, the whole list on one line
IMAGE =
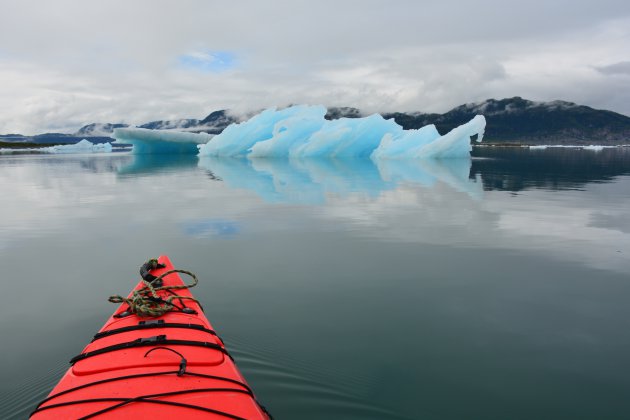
[(84, 146), (591, 147)]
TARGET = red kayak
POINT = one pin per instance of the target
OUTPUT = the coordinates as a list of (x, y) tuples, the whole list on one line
[(171, 366)]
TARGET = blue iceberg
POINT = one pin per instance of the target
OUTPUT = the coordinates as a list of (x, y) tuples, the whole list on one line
[(147, 141), (302, 132)]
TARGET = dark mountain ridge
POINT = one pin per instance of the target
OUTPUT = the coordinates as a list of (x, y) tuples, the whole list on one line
[(510, 120), (522, 121)]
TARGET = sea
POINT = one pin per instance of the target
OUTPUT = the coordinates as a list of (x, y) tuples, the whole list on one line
[(496, 287)]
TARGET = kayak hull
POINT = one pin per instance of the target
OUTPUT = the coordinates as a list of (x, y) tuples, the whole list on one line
[(137, 367)]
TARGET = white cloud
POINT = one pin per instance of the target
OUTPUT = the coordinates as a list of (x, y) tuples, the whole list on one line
[(622, 68), (68, 63)]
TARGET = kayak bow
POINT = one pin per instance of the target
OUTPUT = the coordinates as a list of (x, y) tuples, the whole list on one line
[(171, 366)]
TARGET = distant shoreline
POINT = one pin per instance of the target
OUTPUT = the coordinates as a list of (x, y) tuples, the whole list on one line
[(30, 148), (18, 145), (528, 145)]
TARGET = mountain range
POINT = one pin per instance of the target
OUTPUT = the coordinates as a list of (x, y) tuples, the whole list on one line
[(519, 120), (510, 120)]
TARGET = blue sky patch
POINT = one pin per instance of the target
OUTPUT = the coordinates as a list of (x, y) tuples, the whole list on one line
[(212, 227), (208, 61)]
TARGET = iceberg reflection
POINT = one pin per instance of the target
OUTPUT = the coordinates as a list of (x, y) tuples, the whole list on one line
[(310, 181), (156, 163)]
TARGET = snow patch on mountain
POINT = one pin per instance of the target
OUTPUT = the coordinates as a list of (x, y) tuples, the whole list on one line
[(511, 106), (98, 130)]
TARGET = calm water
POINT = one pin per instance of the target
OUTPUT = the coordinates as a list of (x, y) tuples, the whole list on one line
[(491, 289)]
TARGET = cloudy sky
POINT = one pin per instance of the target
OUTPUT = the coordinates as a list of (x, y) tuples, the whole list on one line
[(64, 64)]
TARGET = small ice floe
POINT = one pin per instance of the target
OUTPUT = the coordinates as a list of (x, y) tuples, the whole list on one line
[(84, 146)]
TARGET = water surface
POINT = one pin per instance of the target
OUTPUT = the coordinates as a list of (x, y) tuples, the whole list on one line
[(494, 288)]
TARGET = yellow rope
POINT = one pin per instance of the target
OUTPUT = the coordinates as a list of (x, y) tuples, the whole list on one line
[(145, 302)]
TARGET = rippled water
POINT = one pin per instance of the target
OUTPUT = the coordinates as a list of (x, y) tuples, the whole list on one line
[(492, 289)]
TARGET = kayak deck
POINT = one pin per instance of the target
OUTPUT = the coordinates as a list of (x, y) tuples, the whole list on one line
[(171, 365)]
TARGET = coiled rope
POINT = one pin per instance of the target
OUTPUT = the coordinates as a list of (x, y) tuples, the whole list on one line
[(145, 302)]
